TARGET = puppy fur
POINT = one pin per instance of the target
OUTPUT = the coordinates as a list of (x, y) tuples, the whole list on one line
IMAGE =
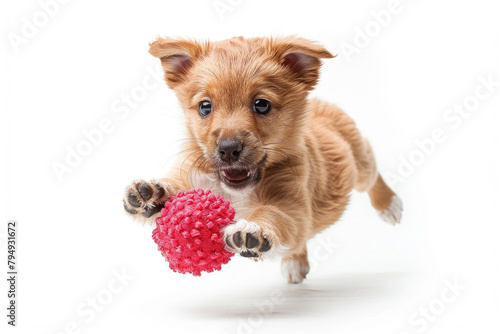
[(304, 156)]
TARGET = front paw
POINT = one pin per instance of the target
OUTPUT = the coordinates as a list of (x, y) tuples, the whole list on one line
[(247, 239), (145, 200)]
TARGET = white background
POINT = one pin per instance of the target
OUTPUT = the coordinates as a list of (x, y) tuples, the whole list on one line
[(74, 234)]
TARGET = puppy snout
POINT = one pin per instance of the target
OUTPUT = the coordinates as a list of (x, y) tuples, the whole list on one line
[(230, 150)]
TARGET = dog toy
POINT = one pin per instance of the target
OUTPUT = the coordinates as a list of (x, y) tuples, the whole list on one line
[(188, 233)]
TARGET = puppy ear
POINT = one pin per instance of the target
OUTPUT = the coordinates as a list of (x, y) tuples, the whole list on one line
[(176, 56), (303, 58)]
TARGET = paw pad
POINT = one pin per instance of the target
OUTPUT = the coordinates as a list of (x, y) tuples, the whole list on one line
[(247, 239), (146, 198)]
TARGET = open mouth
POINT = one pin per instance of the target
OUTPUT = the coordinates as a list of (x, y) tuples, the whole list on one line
[(238, 176)]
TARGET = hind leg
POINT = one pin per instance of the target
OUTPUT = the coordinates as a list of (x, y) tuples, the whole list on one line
[(383, 199), (295, 267)]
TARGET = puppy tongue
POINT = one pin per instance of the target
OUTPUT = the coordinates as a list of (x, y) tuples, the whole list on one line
[(236, 174)]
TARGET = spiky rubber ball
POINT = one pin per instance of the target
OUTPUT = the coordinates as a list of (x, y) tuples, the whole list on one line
[(188, 233)]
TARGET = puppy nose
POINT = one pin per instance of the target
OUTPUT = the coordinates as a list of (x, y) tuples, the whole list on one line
[(230, 149)]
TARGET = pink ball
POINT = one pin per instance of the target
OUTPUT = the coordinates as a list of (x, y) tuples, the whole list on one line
[(188, 233)]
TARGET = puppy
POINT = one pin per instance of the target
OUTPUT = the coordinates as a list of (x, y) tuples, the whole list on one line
[(286, 162)]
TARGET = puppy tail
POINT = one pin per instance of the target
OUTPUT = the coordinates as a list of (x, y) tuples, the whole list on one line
[(386, 202), (383, 199)]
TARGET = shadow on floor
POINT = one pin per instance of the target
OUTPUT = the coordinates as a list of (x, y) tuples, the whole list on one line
[(325, 294)]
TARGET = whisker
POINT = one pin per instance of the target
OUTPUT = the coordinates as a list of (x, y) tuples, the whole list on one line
[(183, 162), (172, 156), (190, 179), (176, 145)]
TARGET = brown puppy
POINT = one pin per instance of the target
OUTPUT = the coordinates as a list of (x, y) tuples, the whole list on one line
[(286, 163)]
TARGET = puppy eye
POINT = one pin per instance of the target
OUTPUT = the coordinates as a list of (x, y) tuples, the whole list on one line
[(205, 108), (261, 106)]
